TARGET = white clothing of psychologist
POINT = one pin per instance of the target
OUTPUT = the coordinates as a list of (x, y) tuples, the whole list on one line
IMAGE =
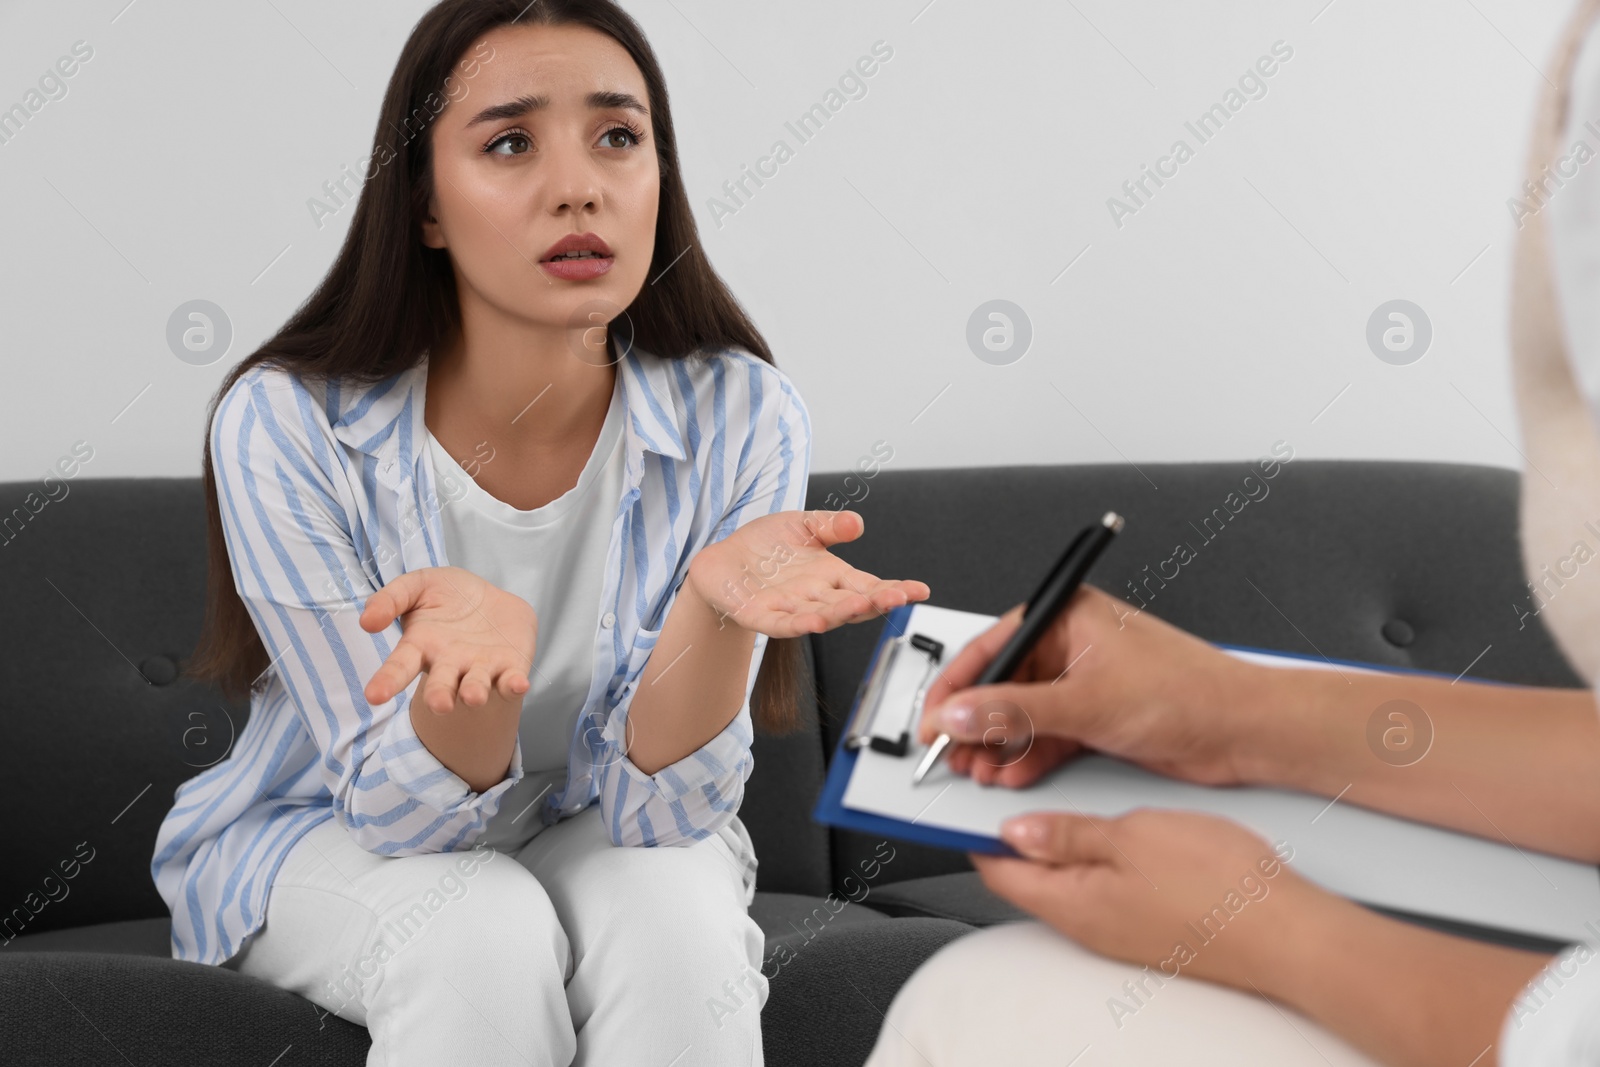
[(1175, 937)]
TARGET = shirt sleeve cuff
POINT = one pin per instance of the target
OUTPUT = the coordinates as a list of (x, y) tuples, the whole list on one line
[(418, 772), (716, 763)]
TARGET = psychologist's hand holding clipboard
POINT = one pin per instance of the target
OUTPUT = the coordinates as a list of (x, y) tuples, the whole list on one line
[(1099, 675)]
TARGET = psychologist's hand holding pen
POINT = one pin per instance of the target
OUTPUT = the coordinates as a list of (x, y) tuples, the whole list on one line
[(1138, 688)]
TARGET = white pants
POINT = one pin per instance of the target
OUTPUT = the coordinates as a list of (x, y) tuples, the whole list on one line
[(1022, 994), (568, 951)]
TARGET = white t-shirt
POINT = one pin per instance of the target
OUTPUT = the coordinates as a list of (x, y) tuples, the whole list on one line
[(1555, 1020), (554, 557)]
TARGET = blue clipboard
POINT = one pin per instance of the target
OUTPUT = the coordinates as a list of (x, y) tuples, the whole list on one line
[(830, 809)]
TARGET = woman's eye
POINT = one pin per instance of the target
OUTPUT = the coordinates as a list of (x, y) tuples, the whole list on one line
[(506, 138), (619, 131), (630, 138)]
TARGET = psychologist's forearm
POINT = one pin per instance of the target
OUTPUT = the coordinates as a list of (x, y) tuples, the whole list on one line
[(1503, 762), (1405, 995), (691, 687)]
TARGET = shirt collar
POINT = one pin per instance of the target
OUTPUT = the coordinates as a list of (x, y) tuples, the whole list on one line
[(378, 418)]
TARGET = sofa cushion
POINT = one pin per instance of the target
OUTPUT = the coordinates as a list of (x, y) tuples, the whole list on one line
[(825, 1004), (961, 896), (103, 596), (792, 918), (130, 937), (77, 1009), (783, 917)]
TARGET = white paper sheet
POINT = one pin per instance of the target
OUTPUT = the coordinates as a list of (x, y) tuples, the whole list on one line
[(1365, 855)]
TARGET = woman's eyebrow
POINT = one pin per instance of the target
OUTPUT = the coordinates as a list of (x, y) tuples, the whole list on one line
[(522, 105)]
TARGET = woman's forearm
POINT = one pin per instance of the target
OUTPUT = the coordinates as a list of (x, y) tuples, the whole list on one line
[(691, 687), (1405, 995), (1503, 762), (475, 743)]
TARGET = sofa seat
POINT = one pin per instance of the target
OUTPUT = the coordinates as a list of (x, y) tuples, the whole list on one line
[(109, 994), (961, 897), (784, 917)]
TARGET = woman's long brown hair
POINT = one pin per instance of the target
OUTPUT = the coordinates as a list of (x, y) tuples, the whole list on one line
[(388, 298)]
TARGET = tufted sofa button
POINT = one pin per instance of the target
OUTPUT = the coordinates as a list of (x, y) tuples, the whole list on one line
[(1399, 633), (159, 670)]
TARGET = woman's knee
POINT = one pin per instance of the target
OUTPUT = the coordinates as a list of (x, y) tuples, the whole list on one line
[(675, 951), (497, 906), (680, 919), (493, 913)]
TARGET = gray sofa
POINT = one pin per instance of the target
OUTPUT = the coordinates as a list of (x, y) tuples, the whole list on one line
[(1409, 564)]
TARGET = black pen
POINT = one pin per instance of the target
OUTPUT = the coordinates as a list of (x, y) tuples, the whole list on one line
[(1042, 608)]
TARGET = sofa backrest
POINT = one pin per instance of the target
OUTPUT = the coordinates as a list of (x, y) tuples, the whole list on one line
[(103, 596), (103, 591)]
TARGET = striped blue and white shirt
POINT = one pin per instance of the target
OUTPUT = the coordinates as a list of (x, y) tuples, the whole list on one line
[(327, 494)]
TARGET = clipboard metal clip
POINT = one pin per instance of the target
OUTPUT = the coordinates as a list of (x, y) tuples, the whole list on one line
[(865, 728)]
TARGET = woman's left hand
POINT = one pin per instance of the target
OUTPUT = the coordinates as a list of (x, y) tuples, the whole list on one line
[(1180, 891), (774, 575)]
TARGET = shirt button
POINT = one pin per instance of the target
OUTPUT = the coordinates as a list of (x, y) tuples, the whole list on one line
[(608, 620)]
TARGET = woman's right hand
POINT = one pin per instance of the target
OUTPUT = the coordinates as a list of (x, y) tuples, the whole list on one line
[(468, 636), (1139, 689)]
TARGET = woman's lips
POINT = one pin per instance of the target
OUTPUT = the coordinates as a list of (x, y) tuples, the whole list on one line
[(577, 270)]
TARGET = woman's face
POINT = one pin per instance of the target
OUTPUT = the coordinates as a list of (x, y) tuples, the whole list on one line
[(554, 138)]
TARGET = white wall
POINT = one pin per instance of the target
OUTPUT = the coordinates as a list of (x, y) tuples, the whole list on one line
[(1227, 313)]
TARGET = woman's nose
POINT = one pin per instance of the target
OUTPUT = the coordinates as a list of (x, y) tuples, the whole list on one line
[(573, 183)]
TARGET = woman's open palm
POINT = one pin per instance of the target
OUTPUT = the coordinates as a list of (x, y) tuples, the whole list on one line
[(468, 635), (774, 575)]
